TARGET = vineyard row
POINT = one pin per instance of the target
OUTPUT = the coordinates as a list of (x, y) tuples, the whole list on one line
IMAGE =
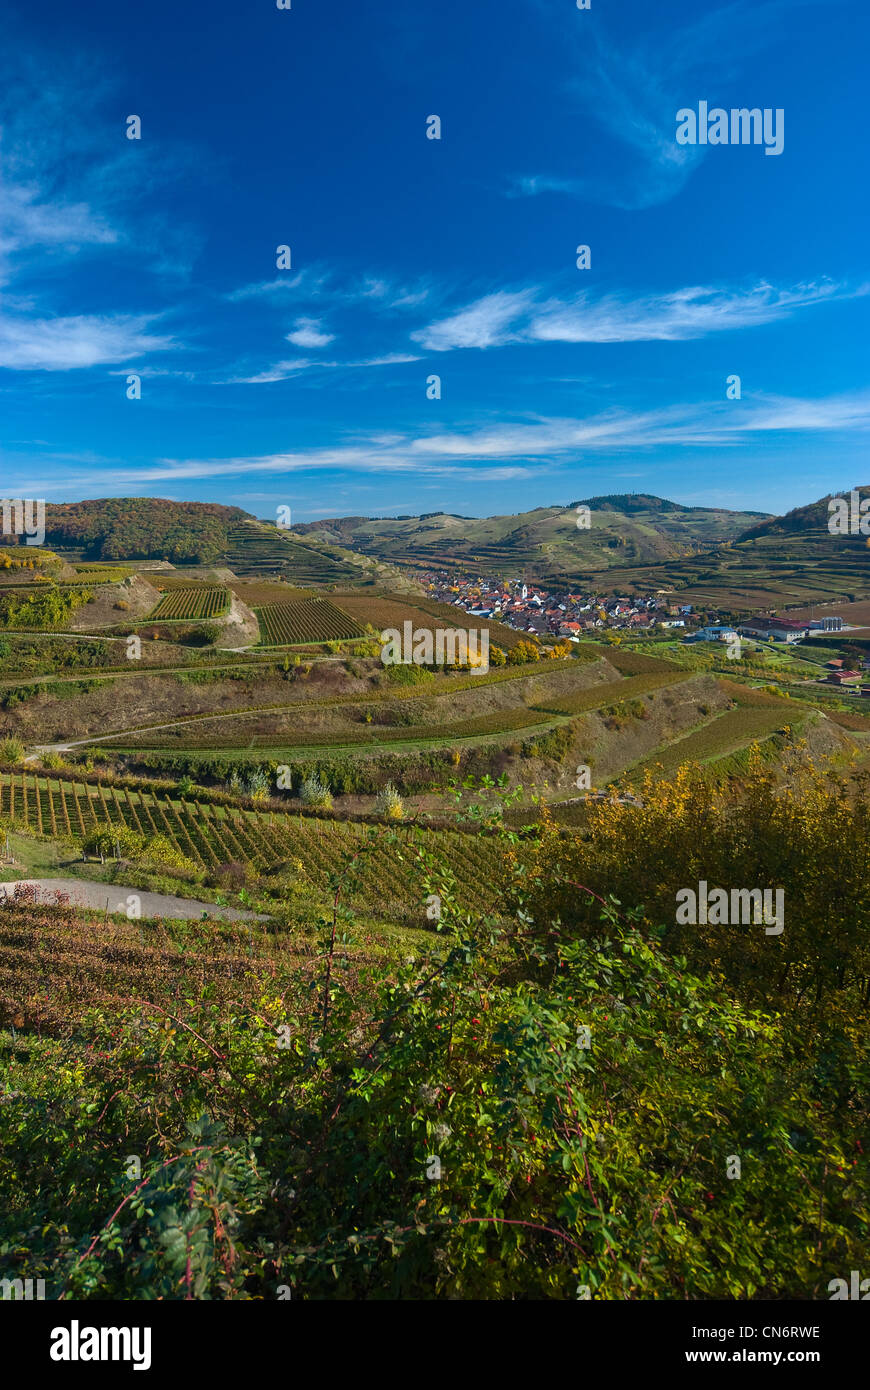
[(212, 835)]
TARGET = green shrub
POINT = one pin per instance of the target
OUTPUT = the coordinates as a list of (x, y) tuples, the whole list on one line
[(11, 750), (388, 803), (259, 787), (315, 793)]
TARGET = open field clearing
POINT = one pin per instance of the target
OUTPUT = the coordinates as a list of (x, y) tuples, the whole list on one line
[(392, 611), (628, 663), (191, 604), (309, 620), (258, 593), (210, 835)]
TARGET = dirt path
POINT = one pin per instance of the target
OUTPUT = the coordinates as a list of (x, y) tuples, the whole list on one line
[(115, 896)]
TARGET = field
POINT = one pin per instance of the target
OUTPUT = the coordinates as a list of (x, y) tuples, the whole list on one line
[(258, 552), (190, 577), (444, 702), (855, 614), (309, 620), (476, 727), (257, 593), (191, 604), (627, 663), (598, 695), (392, 611), (209, 835), (725, 734), (782, 573), (101, 573), (125, 1033)]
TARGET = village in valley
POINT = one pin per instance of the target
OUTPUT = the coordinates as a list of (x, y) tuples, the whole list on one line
[(538, 611)]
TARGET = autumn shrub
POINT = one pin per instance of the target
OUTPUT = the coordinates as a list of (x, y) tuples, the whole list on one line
[(809, 837), (388, 803), (563, 1099), (313, 792), (11, 750), (507, 1114)]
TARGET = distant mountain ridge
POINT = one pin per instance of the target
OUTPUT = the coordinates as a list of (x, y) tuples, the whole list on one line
[(545, 542)]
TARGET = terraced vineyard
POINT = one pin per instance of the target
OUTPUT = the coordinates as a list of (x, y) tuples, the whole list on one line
[(101, 573), (215, 834), (392, 610), (597, 695), (726, 734), (308, 620), (258, 552), (195, 603), (479, 726), (164, 580), (257, 593)]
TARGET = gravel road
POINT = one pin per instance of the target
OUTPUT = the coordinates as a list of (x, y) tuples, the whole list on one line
[(96, 895)]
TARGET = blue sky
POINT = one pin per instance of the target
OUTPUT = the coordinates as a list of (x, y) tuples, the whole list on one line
[(412, 257)]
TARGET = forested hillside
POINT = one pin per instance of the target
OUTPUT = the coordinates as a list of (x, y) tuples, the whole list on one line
[(136, 528)]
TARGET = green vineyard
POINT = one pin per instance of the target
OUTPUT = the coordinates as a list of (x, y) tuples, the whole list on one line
[(211, 835), (193, 604), (259, 552), (308, 620)]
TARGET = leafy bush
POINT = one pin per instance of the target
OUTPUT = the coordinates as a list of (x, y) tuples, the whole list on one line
[(44, 608), (388, 803), (203, 635), (11, 750), (160, 853), (411, 674), (259, 788), (531, 1108), (523, 652), (313, 792)]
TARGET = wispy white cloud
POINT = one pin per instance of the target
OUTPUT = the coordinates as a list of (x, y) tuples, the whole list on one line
[(522, 448), (85, 340), (389, 293), (321, 284), (305, 281), (488, 322), (283, 371), (694, 312), (29, 220)]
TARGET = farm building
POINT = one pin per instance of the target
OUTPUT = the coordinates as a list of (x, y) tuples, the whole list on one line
[(776, 629)]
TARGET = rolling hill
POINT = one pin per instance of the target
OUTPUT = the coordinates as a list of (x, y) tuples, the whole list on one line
[(777, 563), (546, 543), (141, 528)]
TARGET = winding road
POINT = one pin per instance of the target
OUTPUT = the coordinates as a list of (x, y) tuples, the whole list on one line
[(114, 898)]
